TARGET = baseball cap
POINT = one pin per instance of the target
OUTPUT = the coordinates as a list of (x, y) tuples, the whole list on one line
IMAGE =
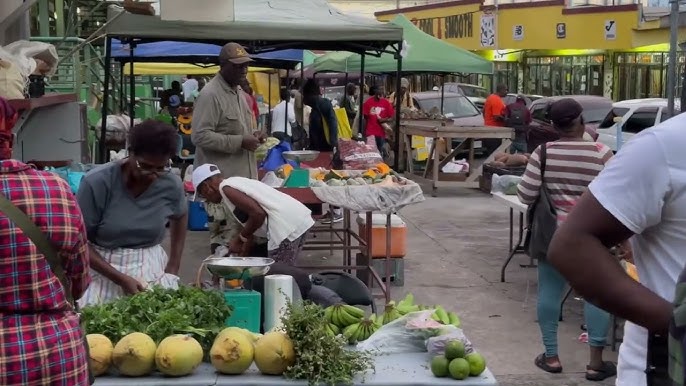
[(234, 53), (564, 111), (201, 174)]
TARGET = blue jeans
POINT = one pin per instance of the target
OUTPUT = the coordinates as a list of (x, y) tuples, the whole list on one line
[(551, 287), (518, 146)]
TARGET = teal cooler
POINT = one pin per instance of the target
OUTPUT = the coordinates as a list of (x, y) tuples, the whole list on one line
[(247, 309), (197, 216)]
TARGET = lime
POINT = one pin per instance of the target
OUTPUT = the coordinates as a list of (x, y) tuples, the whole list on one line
[(477, 364), (454, 349), (439, 366), (459, 368)]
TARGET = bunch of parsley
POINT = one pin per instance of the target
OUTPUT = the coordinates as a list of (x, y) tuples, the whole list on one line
[(160, 313)]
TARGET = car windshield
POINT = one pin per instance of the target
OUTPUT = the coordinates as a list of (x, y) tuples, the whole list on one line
[(595, 113), (609, 120), (474, 92), (458, 106)]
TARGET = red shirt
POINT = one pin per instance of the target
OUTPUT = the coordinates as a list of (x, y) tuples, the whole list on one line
[(40, 337), (493, 107), (255, 107), (373, 108)]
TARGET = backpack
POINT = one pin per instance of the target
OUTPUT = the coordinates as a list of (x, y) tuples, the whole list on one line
[(516, 116)]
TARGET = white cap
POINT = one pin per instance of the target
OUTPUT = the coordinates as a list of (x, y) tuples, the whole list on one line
[(202, 173)]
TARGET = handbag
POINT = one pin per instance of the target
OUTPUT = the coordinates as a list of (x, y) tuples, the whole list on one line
[(541, 217), (31, 230)]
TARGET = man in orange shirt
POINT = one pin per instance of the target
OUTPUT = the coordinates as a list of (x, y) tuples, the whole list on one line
[(494, 115)]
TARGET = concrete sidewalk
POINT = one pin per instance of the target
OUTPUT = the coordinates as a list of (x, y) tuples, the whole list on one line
[(457, 243)]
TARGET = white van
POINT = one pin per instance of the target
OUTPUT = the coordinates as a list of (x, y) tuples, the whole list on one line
[(633, 116)]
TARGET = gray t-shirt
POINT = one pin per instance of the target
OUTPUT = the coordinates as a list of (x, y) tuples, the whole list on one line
[(115, 219)]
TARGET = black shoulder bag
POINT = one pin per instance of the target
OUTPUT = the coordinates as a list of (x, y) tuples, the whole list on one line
[(541, 218), (31, 230)]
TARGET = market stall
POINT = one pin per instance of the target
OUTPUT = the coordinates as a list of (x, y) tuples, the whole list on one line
[(436, 129), (514, 205)]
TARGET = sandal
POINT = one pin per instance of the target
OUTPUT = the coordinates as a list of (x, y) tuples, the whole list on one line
[(543, 365), (607, 370)]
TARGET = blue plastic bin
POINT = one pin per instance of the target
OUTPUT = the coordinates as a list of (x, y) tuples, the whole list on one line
[(197, 216)]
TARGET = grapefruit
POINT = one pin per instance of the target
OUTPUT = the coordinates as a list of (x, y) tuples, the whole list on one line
[(459, 368), (439, 366), (454, 349), (477, 364)]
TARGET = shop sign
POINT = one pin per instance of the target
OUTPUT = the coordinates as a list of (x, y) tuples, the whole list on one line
[(518, 32), (426, 25), (459, 26), (610, 30), (487, 36), (561, 31)]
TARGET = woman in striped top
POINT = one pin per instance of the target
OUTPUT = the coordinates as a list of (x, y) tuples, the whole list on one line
[(570, 166)]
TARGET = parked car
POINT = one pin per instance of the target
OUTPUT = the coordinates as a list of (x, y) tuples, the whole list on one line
[(476, 94), (455, 105), (540, 131), (512, 97), (633, 116)]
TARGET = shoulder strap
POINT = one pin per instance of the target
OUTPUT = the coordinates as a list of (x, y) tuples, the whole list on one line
[(31, 230), (543, 156)]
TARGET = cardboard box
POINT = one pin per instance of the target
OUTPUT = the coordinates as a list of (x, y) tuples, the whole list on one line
[(197, 10), (418, 142)]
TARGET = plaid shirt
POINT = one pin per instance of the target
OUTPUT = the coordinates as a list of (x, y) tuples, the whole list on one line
[(40, 337)]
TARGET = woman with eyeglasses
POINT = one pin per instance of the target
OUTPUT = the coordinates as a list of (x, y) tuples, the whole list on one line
[(126, 205)]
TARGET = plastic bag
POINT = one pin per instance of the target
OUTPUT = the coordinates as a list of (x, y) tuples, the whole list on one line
[(461, 166), (72, 174), (270, 179), (436, 345), (506, 184), (275, 158), (406, 334), (358, 155)]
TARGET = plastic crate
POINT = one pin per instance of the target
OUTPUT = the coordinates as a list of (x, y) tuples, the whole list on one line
[(247, 309), (490, 170)]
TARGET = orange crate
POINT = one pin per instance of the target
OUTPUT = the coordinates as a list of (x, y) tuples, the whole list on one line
[(398, 235)]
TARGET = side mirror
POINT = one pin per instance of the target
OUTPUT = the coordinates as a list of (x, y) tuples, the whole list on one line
[(617, 119)]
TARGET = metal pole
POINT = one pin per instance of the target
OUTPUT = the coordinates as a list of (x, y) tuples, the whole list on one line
[(361, 101), (442, 91), (398, 104), (132, 91), (102, 157), (671, 68)]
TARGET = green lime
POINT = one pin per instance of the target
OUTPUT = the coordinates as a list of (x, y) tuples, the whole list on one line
[(477, 364), (454, 349), (439, 366), (459, 368)]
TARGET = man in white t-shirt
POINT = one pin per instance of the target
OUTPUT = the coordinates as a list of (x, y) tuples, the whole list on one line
[(190, 88), (280, 128), (640, 193)]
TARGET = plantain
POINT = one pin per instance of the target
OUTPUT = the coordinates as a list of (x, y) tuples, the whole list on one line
[(390, 313), (345, 318), (354, 311), (454, 319), (442, 315), (328, 313)]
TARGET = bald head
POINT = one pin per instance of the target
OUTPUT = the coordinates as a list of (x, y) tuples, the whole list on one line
[(501, 90)]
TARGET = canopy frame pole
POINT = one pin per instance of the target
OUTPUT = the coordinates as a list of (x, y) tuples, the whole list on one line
[(102, 157), (398, 104), (361, 101), (132, 91), (302, 102), (442, 91), (122, 104)]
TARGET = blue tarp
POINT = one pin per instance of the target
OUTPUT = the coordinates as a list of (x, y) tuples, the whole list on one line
[(182, 51)]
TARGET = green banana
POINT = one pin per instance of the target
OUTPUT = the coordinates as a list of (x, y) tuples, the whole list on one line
[(345, 318), (351, 331), (354, 311), (335, 315), (334, 328), (454, 319), (390, 313), (364, 334), (406, 309), (408, 301), (442, 315), (359, 334), (328, 311)]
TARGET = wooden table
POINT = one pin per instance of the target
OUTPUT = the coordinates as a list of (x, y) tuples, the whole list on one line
[(436, 130)]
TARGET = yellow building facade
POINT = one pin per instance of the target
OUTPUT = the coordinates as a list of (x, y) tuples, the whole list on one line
[(548, 48)]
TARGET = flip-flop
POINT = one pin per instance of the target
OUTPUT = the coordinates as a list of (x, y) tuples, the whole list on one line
[(543, 365), (607, 370)]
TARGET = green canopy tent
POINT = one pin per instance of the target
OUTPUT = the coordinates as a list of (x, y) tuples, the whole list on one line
[(423, 53)]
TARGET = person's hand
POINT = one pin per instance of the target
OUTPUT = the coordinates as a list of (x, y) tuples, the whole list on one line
[(260, 135), (250, 142), (246, 248), (236, 245), (130, 285)]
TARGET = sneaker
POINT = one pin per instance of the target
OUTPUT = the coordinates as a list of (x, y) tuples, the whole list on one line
[(328, 219)]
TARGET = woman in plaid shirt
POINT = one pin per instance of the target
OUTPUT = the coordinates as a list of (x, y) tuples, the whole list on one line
[(40, 338)]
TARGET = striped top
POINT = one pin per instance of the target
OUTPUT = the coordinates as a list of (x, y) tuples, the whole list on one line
[(570, 168)]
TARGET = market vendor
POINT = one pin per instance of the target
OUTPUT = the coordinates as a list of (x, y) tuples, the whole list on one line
[(261, 210), (126, 205)]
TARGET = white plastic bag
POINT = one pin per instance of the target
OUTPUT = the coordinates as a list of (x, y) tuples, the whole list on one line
[(506, 184), (270, 179), (406, 334), (436, 344), (461, 166)]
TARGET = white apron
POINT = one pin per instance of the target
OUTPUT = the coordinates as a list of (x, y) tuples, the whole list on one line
[(145, 264)]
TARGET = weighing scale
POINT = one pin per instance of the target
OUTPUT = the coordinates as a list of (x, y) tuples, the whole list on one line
[(234, 274), (299, 178)]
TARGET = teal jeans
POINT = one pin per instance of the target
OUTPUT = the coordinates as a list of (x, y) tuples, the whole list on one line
[(551, 287)]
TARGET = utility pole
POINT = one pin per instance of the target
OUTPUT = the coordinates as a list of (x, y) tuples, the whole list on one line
[(671, 68)]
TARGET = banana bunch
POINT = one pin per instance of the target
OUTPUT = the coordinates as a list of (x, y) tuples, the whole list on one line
[(332, 329), (390, 313), (343, 315), (446, 318), (407, 305), (362, 330)]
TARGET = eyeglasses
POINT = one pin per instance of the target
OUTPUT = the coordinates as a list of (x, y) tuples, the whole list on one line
[(145, 169)]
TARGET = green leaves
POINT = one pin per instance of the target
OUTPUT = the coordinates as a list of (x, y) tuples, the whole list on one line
[(320, 357), (159, 313)]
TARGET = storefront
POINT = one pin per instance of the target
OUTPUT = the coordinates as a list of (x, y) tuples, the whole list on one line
[(564, 75), (643, 74)]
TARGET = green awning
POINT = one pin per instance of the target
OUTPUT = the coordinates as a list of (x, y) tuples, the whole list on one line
[(424, 53)]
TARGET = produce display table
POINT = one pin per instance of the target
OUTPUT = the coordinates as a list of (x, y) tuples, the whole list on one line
[(513, 203), (391, 370), (435, 130)]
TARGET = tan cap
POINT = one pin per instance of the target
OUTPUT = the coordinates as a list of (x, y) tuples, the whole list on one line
[(234, 53)]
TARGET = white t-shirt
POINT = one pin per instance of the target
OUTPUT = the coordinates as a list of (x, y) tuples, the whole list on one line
[(279, 118), (190, 86), (644, 187)]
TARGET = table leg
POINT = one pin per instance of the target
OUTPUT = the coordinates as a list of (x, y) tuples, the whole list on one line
[(436, 165), (514, 247), (564, 300), (408, 154), (511, 228), (521, 234)]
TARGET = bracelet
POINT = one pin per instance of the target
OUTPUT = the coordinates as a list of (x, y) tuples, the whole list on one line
[(242, 238)]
